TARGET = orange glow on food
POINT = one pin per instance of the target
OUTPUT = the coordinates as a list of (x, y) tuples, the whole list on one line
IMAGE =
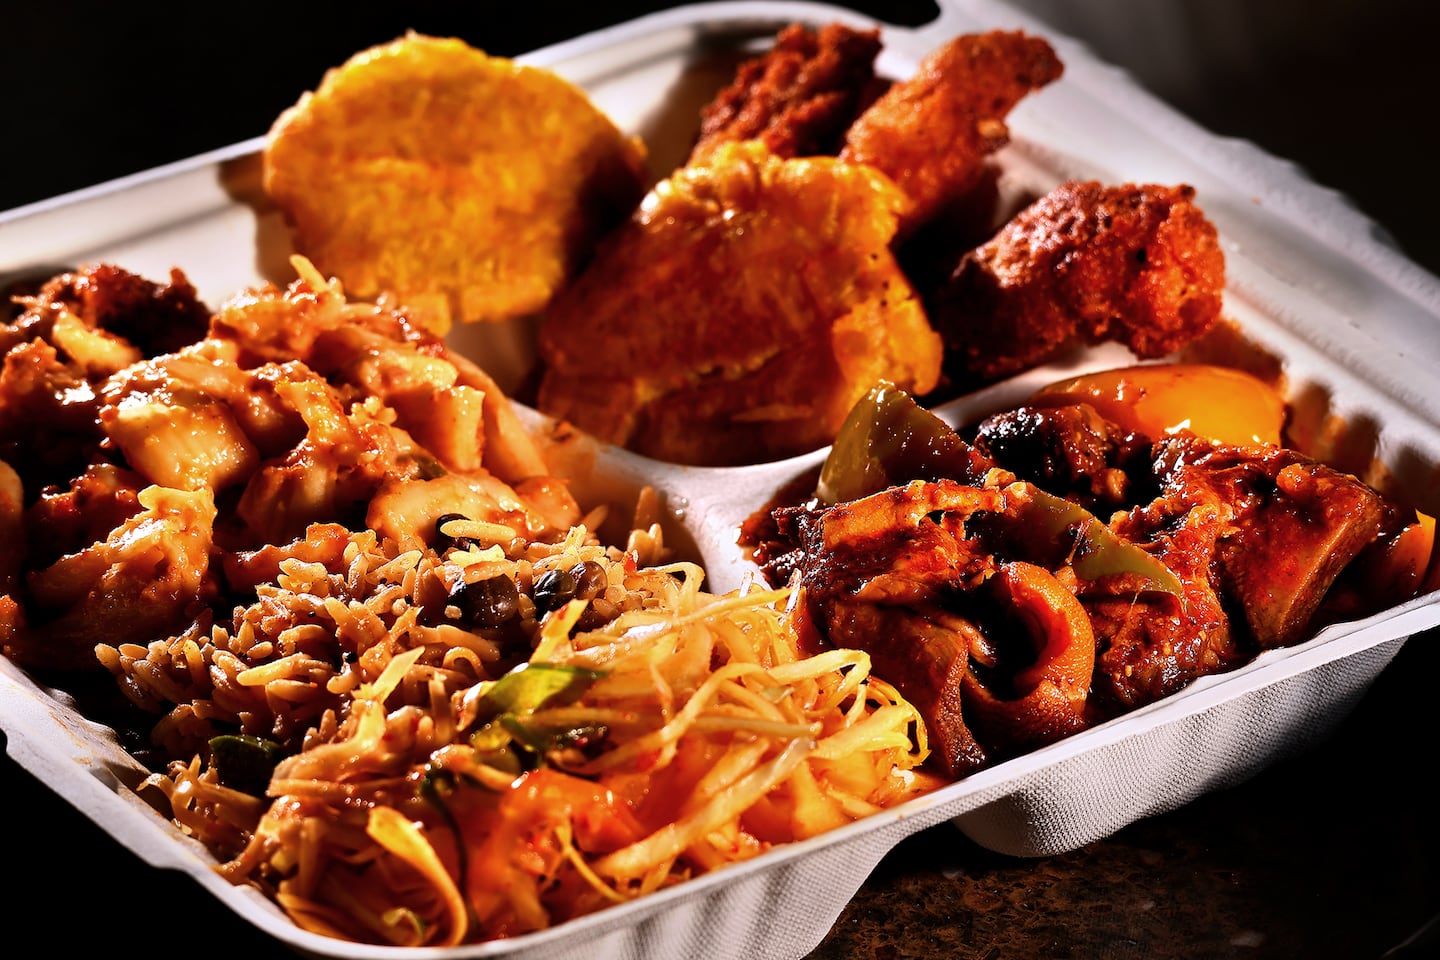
[(1221, 403)]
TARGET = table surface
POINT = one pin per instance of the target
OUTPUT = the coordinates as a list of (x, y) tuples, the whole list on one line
[(1334, 853)]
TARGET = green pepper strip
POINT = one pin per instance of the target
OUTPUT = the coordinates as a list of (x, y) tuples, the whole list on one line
[(1044, 522), (888, 438)]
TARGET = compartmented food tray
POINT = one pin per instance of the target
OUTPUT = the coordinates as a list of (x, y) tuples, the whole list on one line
[(1309, 281)]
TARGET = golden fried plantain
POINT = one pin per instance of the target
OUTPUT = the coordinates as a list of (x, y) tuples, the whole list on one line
[(464, 185), (739, 313)]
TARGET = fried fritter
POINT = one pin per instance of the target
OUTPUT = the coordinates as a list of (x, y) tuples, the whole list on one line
[(933, 132), (1086, 263), (799, 96), (466, 185), (740, 313)]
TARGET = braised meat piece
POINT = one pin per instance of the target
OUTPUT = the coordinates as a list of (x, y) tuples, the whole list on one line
[(799, 96), (879, 574), (1292, 525), (1013, 616), (1085, 264), (1252, 531), (1258, 535), (970, 599), (1148, 646), (1071, 451)]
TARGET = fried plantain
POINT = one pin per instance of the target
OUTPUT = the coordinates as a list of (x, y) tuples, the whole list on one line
[(740, 313), (463, 184)]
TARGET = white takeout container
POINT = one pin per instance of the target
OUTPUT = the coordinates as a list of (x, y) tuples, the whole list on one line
[(1310, 282)]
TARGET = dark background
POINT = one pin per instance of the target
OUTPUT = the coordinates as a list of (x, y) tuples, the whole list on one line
[(1331, 855)]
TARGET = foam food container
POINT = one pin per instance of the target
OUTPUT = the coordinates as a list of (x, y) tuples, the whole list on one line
[(1355, 325)]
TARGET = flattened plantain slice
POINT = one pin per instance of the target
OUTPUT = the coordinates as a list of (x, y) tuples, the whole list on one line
[(462, 184), (740, 312)]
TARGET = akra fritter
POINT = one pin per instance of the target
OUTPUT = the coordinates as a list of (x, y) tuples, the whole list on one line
[(800, 96), (1087, 263)]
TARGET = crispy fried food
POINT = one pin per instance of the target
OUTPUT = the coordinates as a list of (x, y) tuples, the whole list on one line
[(933, 132), (740, 313), (799, 96), (1086, 263), (466, 185)]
